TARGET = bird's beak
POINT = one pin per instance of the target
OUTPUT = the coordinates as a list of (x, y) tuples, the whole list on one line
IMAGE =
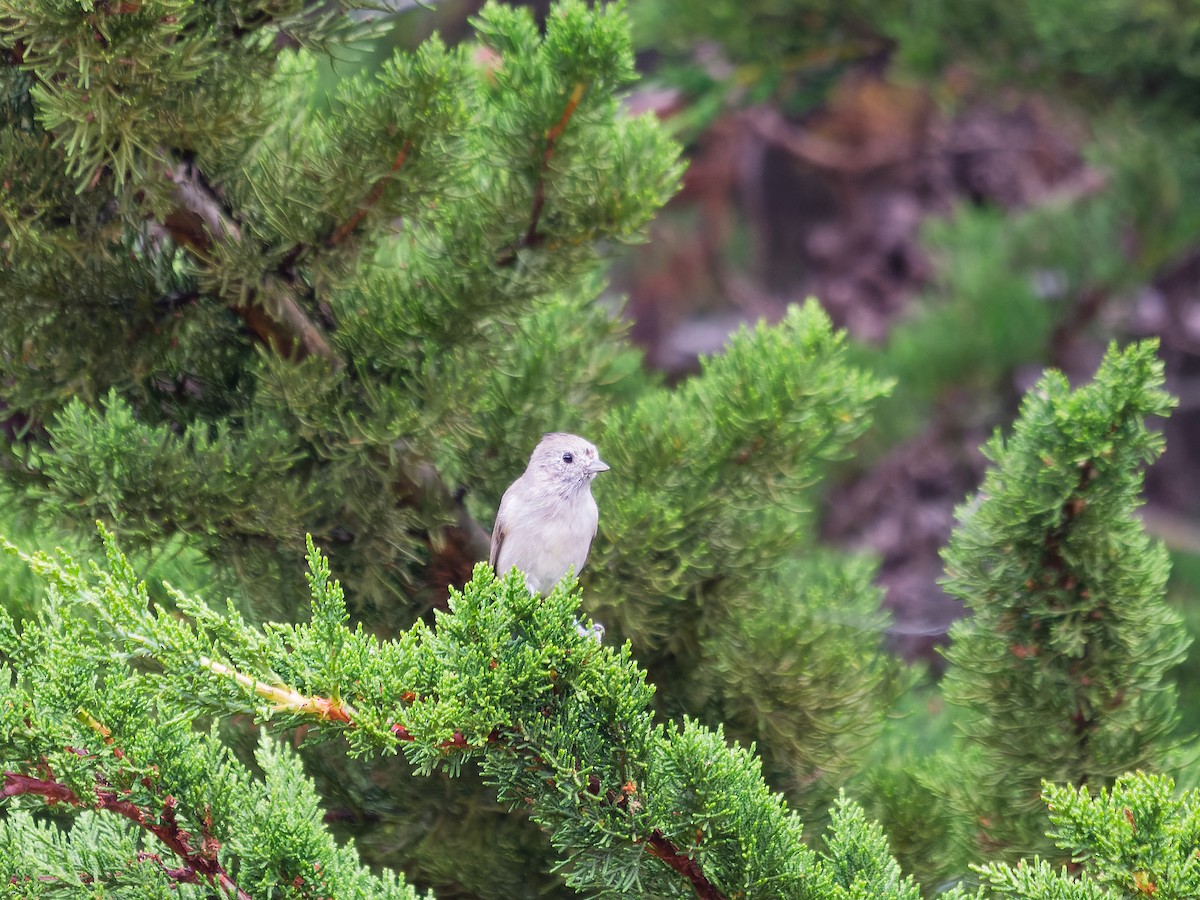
[(598, 466)]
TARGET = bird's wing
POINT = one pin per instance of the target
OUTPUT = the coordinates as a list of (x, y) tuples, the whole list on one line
[(499, 531)]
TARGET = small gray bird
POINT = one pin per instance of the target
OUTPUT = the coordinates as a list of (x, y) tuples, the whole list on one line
[(547, 517)]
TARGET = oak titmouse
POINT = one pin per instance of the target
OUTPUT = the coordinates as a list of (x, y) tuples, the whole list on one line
[(547, 517)]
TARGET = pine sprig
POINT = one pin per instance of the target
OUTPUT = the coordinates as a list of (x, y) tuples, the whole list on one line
[(778, 403)]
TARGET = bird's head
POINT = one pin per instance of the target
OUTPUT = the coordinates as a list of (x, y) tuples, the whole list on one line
[(568, 460)]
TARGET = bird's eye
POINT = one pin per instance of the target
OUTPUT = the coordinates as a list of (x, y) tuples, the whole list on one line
[(568, 457)]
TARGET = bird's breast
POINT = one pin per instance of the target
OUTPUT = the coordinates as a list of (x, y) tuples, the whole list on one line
[(550, 541)]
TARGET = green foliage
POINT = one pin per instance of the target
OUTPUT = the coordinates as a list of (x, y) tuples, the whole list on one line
[(703, 557), (1154, 166), (156, 807), (857, 852), (116, 465), (351, 316), (1146, 51), (557, 721), (771, 32), (1061, 671), (778, 404), (240, 306), (1010, 285), (997, 298), (238, 309), (1136, 840), (1122, 75), (897, 786), (110, 77), (792, 669), (295, 219), (777, 47)]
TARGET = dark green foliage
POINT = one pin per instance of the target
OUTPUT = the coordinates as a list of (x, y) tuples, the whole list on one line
[(1061, 670), (794, 42), (857, 852), (777, 404), (1144, 51), (788, 53)]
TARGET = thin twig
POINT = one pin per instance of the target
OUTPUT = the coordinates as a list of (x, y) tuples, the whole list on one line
[(371, 199), (532, 238)]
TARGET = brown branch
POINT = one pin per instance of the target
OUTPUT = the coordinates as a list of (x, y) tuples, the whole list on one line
[(371, 199), (531, 237), (552, 136), (198, 864), (16, 784), (278, 321), (659, 847), (277, 318)]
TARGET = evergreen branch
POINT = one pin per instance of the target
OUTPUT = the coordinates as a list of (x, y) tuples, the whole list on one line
[(660, 848), (288, 700), (1064, 661), (279, 322), (277, 319), (1061, 576), (198, 864), (371, 199), (523, 747)]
